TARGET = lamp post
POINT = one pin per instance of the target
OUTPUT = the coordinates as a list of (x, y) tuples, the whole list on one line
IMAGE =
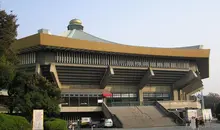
[(78, 124), (202, 98)]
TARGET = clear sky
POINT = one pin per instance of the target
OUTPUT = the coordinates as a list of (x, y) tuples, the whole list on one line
[(159, 23)]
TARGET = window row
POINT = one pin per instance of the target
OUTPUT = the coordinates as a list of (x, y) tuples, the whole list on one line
[(80, 95), (117, 60), (28, 58), (157, 95), (124, 95)]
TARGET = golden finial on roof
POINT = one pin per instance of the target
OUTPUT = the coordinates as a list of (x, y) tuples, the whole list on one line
[(75, 21)]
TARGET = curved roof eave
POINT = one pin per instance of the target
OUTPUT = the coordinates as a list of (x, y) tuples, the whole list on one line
[(65, 42), (195, 52), (81, 35)]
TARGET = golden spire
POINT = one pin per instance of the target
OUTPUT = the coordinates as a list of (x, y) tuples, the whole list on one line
[(75, 21)]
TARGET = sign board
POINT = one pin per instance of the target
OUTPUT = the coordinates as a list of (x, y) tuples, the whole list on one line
[(85, 119), (38, 120), (100, 100), (191, 113), (207, 114)]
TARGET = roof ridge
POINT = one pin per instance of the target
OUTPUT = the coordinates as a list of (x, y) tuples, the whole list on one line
[(71, 33), (97, 37)]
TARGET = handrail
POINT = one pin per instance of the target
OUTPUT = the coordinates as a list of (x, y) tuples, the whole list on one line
[(106, 111), (114, 118), (158, 105), (173, 115)]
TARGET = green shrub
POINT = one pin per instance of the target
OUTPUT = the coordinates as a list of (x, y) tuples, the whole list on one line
[(9, 122), (55, 124), (218, 111)]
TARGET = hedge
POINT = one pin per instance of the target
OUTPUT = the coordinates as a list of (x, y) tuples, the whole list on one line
[(55, 124), (9, 122)]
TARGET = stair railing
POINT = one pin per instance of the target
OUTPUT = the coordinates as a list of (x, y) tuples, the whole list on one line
[(173, 115), (116, 122)]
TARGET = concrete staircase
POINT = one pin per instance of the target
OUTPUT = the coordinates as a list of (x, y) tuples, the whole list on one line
[(157, 117), (141, 117)]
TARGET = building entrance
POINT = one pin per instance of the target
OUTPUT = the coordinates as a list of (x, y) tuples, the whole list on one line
[(151, 98), (123, 99), (80, 99)]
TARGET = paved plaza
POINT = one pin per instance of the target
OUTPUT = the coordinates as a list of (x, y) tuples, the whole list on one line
[(208, 126)]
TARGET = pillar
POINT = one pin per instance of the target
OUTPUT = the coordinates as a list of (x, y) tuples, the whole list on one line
[(187, 97), (191, 75), (181, 95), (37, 69), (175, 95), (146, 78), (141, 97), (105, 100), (54, 74), (107, 77)]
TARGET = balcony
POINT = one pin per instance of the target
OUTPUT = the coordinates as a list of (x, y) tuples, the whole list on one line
[(180, 104)]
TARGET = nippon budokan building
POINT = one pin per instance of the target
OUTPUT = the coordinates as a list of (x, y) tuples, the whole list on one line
[(97, 75)]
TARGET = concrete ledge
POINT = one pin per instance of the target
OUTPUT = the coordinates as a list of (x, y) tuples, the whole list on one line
[(54, 75), (195, 86), (147, 77), (180, 104), (81, 109), (107, 77), (191, 75)]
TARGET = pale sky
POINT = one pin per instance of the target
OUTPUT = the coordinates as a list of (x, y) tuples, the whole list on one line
[(154, 23)]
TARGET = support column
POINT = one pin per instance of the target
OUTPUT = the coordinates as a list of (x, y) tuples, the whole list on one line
[(180, 94), (147, 77), (37, 69), (191, 75), (187, 97), (175, 95), (54, 74), (141, 97), (195, 86), (107, 77), (184, 95), (105, 100)]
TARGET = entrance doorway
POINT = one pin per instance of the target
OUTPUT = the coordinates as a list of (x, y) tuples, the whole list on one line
[(123, 99), (80, 99), (151, 98)]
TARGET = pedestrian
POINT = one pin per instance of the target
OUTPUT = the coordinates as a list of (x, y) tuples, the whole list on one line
[(70, 125), (197, 123), (193, 123), (187, 121), (73, 125)]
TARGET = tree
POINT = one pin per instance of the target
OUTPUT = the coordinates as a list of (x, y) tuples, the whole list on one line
[(28, 92), (8, 33), (218, 111), (6, 75), (211, 100)]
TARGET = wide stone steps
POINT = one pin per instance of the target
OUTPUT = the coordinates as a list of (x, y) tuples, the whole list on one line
[(141, 117)]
